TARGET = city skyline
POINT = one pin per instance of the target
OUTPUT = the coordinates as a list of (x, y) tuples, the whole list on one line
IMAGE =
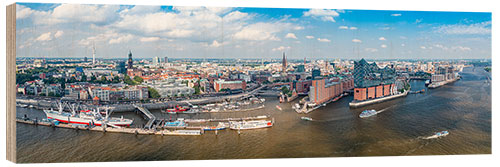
[(55, 30)]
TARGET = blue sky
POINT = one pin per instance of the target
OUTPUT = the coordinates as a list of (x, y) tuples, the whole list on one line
[(70, 30)]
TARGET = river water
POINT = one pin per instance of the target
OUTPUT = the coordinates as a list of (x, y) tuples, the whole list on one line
[(463, 108)]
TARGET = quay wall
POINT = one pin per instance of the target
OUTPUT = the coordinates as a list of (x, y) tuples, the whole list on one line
[(379, 100)]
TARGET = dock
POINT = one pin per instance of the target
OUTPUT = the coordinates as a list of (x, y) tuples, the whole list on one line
[(225, 119), (136, 131)]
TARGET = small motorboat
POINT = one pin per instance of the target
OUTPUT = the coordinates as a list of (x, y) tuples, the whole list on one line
[(279, 108), (306, 118), (367, 113)]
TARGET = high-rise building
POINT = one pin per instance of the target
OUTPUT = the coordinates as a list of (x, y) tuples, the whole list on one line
[(121, 67), (165, 60), (130, 61), (283, 63), (85, 59), (300, 68), (93, 55), (156, 61), (372, 82), (316, 72)]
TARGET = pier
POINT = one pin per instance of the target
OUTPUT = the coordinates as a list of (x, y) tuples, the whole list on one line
[(225, 119), (148, 114)]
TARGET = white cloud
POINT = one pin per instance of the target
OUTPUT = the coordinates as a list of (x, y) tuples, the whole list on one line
[(149, 39), (45, 37), (215, 44), (383, 46), (403, 44), (323, 40), (291, 35), (281, 48), (309, 37), (23, 12), (461, 48), (298, 28), (84, 13), (396, 14), (236, 15), (356, 41), (422, 47), (381, 38), (261, 31), (121, 39), (418, 20), (340, 11), (353, 28), (371, 49), (58, 34), (441, 46), (140, 9), (483, 28), (108, 37), (385, 28), (323, 14), (343, 27)]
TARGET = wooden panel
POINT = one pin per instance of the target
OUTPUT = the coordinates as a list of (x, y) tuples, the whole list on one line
[(11, 82)]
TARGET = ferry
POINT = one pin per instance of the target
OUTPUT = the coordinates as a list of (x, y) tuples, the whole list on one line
[(367, 113), (220, 126), (86, 117), (257, 124)]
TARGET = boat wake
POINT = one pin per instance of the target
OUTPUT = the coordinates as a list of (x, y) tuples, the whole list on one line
[(333, 119)]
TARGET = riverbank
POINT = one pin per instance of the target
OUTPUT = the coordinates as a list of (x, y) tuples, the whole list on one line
[(355, 104), (438, 84)]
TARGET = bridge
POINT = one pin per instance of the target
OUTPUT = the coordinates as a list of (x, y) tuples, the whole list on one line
[(147, 113)]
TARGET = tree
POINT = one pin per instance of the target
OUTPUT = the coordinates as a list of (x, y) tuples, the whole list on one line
[(116, 79), (285, 90), (138, 79), (93, 78), (103, 80), (128, 81), (84, 78), (153, 93)]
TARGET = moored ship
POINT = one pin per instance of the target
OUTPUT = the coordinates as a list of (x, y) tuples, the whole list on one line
[(86, 117), (257, 124)]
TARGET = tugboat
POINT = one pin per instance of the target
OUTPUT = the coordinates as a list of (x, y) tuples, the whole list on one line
[(367, 113)]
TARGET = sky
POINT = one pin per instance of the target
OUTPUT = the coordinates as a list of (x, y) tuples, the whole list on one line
[(72, 30)]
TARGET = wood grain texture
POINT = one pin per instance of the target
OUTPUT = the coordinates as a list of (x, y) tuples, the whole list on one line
[(11, 82)]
